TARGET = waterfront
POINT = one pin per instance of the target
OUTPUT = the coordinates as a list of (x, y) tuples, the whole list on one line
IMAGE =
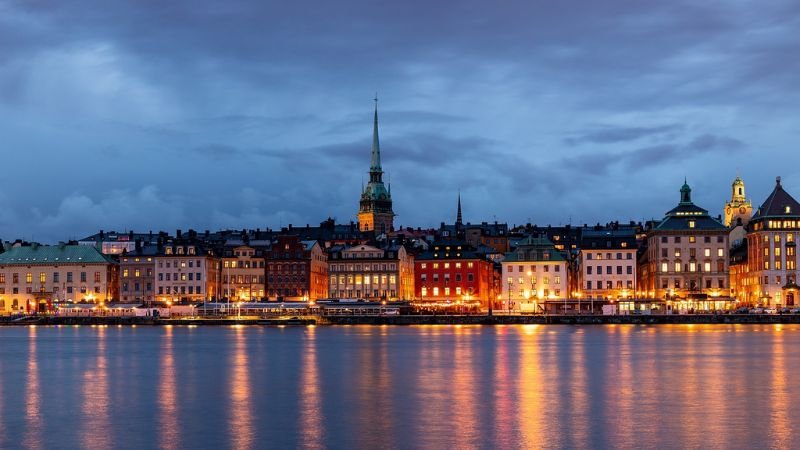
[(522, 386)]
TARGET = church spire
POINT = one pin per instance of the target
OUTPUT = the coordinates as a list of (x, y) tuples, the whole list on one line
[(459, 220), (375, 165)]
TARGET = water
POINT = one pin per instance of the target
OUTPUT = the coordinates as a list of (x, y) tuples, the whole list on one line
[(440, 387)]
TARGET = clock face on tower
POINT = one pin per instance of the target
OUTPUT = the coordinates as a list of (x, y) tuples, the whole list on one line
[(742, 210)]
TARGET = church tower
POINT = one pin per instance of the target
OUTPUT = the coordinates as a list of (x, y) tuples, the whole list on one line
[(738, 207), (375, 208)]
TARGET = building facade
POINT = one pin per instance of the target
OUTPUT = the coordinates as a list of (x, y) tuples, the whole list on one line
[(244, 271), (454, 271), (187, 271), (296, 269), (367, 272), (770, 277), (375, 208), (533, 273), (687, 258), (138, 274), (36, 278), (607, 265)]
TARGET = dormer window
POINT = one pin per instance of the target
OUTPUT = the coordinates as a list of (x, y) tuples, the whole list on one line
[(180, 250), (787, 209), (168, 251), (692, 223), (191, 250)]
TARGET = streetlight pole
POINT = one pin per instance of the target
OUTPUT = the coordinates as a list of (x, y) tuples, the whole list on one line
[(509, 298)]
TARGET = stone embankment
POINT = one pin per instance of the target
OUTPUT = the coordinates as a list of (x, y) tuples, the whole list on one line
[(422, 320)]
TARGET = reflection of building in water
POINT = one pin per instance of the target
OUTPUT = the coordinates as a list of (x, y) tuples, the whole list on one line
[(169, 431), (240, 424), (32, 435), (312, 434), (95, 425)]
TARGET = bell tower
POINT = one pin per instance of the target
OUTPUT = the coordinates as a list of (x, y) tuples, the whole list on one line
[(739, 207), (375, 208)]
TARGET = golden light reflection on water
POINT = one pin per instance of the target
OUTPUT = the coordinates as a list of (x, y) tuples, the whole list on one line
[(579, 392), (32, 437), (168, 411), (95, 428), (465, 389), (312, 434), (780, 392), (240, 424), (528, 385)]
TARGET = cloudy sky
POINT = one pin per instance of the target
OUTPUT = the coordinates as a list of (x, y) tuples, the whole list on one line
[(152, 115)]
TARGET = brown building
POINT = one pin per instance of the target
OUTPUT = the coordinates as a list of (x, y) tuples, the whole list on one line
[(769, 277), (186, 270), (244, 270), (296, 270), (686, 260), (138, 274)]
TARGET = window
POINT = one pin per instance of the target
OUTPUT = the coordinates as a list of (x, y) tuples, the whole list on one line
[(707, 267), (720, 252), (42, 277), (588, 270), (691, 225), (677, 267), (29, 278), (692, 239), (664, 252), (677, 239), (707, 252)]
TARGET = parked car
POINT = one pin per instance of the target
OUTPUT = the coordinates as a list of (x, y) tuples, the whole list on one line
[(742, 310), (771, 311), (795, 311), (757, 311)]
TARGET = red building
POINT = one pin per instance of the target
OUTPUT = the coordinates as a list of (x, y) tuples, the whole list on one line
[(455, 272)]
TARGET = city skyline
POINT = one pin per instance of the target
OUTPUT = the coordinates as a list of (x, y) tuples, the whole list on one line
[(248, 116)]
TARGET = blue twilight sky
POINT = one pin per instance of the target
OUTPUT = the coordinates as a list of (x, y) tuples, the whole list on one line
[(175, 114)]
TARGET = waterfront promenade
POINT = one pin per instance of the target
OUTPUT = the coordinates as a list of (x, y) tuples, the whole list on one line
[(504, 319)]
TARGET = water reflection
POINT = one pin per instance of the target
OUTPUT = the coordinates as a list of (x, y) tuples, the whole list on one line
[(405, 387), (528, 384), (96, 431), (32, 437), (312, 431), (240, 424), (168, 412)]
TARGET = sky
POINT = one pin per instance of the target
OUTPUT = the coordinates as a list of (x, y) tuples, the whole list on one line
[(153, 115)]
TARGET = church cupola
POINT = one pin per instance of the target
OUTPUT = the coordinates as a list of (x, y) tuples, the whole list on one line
[(738, 207), (686, 193)]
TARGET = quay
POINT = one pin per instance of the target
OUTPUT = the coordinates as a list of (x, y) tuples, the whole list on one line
[(655, 319)]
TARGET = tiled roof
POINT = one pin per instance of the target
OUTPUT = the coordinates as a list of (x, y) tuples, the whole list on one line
[(53, 254), (778, 204)]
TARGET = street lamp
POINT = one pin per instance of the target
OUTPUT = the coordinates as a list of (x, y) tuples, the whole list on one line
[(509, 298)]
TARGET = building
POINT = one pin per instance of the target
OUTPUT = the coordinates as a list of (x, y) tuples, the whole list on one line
[(533, 272), (738, 207), (454, 271), (770, 276), (368, 272), (186, 271), (244, 270), (737, 213), (375, 208), (296, 269), (138, 274), (113, 243), (606, 265), (36, 278), (686, 259)]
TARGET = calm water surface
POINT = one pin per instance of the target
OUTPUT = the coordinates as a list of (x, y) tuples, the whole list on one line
[(440, 387)]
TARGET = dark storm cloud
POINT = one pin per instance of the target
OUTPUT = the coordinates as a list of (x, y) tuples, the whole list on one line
[(524, 106)]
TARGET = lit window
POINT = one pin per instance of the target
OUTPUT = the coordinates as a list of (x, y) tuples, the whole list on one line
[(691, 225)]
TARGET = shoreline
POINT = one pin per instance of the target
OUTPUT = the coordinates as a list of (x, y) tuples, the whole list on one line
[(408, 320)]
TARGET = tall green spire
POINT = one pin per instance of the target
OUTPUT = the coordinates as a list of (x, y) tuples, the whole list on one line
[(375, 166)]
